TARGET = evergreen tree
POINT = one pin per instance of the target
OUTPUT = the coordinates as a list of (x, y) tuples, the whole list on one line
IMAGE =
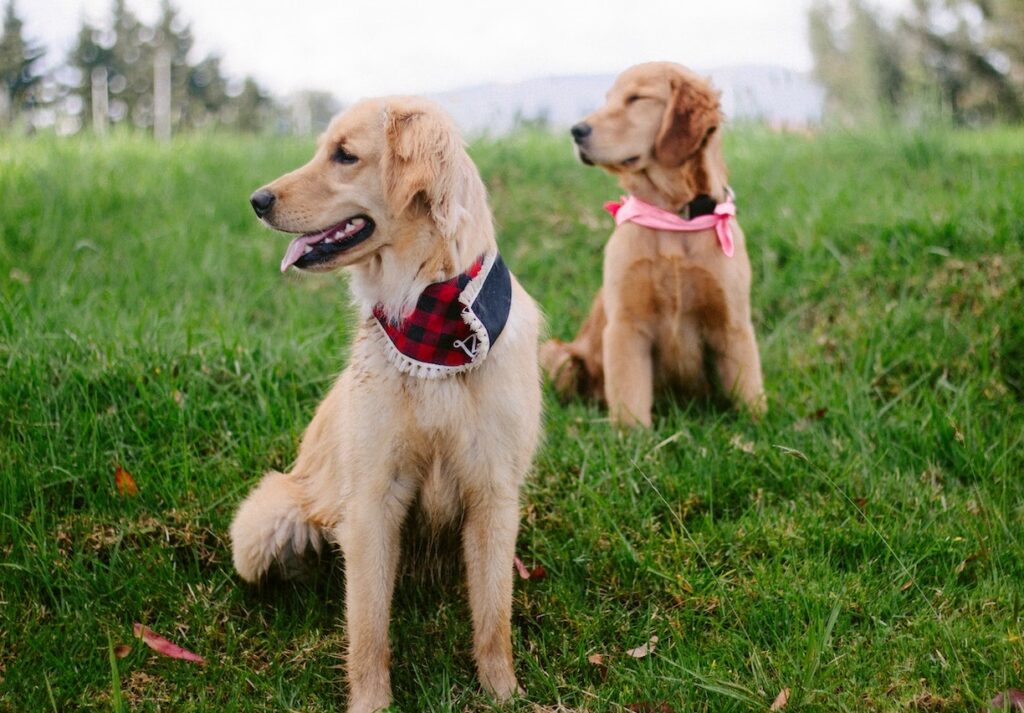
[(207, 93), (131, 75), (92, 51), (252, 108), (858, 62), (173, 35), (967, 53), (974, 51), (18, 74)]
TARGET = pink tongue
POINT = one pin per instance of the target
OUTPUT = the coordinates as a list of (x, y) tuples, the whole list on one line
[(297, 249)]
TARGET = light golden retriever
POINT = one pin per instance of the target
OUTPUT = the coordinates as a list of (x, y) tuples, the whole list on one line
[(668, 298), (392, 196)]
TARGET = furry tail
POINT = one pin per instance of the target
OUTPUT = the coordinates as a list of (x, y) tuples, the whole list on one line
[(270, 530)]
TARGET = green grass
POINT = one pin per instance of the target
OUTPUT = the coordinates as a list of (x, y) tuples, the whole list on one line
[(862, 545)]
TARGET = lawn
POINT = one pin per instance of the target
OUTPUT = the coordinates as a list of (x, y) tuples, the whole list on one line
[(862, 546)]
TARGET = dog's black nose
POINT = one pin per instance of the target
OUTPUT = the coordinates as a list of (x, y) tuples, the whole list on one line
[(262, 201), (581, 131)]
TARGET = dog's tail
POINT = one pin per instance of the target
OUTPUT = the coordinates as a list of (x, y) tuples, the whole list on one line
[(270, 529)]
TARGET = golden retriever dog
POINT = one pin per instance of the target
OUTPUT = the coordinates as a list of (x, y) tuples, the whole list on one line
[(670, 297), (447, 434)]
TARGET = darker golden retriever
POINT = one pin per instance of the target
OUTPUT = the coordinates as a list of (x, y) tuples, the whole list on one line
[(675, 293)]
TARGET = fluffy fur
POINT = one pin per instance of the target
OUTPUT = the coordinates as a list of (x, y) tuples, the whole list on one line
[(382, 441), (667, 299)]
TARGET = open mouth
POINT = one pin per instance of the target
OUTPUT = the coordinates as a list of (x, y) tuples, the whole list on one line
[(312, 249)]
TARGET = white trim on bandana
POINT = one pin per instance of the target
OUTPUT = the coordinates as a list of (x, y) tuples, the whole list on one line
[(476, 352)]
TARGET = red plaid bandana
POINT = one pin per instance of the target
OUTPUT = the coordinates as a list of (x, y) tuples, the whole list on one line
[(455, 322)]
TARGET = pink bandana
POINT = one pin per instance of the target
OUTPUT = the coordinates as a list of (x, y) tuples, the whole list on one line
[(632, 209)]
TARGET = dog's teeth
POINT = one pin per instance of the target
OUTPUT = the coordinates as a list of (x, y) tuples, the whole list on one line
[(307, 250), (357, 223)]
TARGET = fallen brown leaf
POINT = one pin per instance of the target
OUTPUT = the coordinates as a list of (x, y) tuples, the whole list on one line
[(537, 573), (597, 660), (650, 707), (907, 585), (932, 703), (640, 651), (967, 560), (125, 483), (165, 647), (780, 700), (122, 650), (1011, 699)]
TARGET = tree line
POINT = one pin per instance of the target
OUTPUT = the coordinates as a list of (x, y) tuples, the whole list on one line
[(959, 61), (112, 76)]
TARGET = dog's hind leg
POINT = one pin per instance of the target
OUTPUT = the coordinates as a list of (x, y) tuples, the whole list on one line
[(271, 529), (576, 367)]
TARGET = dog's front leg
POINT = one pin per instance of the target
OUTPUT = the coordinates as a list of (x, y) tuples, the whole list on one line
[(628, 374), (489, 542), (739, 367), (371, 544)]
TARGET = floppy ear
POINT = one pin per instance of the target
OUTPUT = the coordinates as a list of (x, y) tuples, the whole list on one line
[(691, 116), (425, 159)]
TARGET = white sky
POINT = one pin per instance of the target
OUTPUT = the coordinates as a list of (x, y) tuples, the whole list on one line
[(367, 47)]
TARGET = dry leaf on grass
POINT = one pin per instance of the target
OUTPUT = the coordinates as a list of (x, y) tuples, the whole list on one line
[(164, 646), (536, 574), (597, 660), (1011, 699), (740, 444), (931, 703), (650, 707), (122, 650), (780, 700), (640, 651), (125, 483)]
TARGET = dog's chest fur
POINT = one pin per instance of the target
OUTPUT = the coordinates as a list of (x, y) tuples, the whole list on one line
[(435, 439)]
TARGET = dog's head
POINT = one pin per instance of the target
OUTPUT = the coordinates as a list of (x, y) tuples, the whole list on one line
[(383, 169), (656, 115)]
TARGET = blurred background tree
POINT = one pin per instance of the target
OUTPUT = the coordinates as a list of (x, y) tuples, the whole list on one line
[(18, 68), (958, 60), (125, 51), (974, 51)]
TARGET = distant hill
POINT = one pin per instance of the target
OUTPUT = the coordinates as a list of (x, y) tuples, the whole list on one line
[(769, 94)]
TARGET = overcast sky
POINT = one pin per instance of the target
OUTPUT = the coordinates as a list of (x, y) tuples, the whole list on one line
[(355, 49)]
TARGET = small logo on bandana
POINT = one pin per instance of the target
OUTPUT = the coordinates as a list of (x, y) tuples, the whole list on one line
[(455, 322)]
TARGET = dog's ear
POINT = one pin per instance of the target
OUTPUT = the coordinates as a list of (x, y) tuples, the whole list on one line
[(425, 159), (690, 118)]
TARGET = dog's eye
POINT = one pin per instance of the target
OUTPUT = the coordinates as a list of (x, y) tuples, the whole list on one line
[(343, 156), (633, 98)]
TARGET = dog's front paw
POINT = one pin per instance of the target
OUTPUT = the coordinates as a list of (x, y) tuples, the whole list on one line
[(369, 703), (499, 680)]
